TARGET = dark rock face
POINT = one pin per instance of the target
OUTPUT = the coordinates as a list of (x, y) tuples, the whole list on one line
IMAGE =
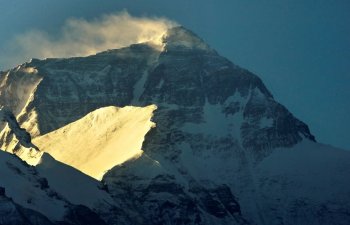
[(164, 200), (82, 215), (285, 129), (190, 78), (21, 134), (2, 191)]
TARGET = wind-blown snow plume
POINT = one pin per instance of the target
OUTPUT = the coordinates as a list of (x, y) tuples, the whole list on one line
[(80, 37)]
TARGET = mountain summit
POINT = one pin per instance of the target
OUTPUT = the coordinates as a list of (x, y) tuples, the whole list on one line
[(179, 37), (221, 150)]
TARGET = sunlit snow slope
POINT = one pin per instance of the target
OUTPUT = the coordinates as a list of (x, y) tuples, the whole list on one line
[(102, 139), (97, 142)]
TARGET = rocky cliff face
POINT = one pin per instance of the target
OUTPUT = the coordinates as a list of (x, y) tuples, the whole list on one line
[(219, 136)]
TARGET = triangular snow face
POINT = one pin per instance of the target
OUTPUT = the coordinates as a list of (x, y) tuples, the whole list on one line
[(97, 142)]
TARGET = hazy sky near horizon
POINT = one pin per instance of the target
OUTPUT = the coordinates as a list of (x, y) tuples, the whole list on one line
[(299, 48)]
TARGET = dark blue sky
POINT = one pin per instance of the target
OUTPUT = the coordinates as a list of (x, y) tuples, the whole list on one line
[(300, 48)]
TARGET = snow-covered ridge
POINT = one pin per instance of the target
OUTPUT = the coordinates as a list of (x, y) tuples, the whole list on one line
[(51, 189), (110, 136)]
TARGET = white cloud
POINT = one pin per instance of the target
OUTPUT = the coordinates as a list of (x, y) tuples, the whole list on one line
[(79, 37)]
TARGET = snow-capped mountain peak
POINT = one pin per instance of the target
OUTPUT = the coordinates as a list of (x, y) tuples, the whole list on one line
[(223, 151), (178, 38)]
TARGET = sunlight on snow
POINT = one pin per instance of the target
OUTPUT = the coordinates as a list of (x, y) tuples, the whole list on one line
[(112, 135)]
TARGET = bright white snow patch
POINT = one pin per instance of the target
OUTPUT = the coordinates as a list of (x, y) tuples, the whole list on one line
[(216, 123)]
